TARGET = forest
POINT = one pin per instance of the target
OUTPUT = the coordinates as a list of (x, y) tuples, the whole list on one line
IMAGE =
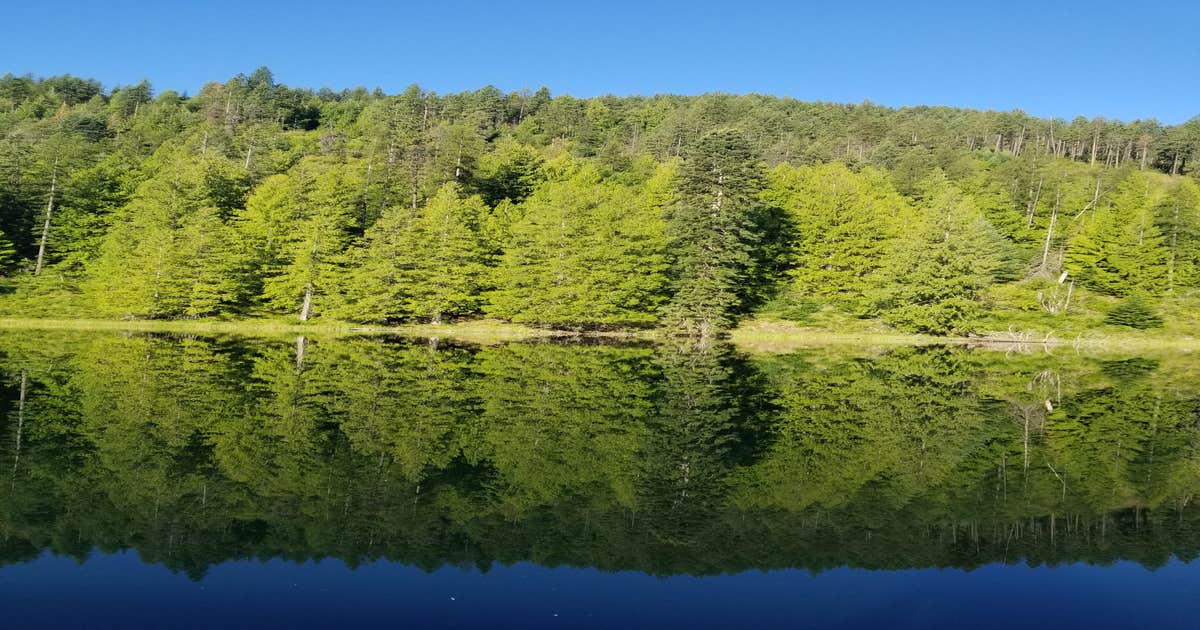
[(689, 214), (666, 458)]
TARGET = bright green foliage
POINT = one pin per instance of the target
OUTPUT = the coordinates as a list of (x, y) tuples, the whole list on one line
[(586, 252), (844, 222), (423, 265), (445, 271), (711, 233), (167, 254), (671, 459), (942, 264), (295, 230), (1120, 249), (1178, 218), (510, 172), (251, 198), (1134, 311)]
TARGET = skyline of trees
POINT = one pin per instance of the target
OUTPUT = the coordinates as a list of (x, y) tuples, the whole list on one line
[(255, 199)]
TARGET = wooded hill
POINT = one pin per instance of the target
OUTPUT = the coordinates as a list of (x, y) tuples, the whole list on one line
[(254, 199)]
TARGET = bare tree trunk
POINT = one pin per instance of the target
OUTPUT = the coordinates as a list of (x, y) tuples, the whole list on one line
[(20, 421), (1033, 202), (41, 255), (306, 306), (1050, 229), (301, 346)]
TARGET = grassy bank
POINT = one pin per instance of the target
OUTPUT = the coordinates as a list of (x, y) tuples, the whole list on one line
[(756, 335)]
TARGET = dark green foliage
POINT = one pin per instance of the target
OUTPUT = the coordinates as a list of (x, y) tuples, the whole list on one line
[(1134, 311), (712, 233)]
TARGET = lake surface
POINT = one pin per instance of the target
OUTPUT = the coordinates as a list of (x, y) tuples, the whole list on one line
[(182, 481)]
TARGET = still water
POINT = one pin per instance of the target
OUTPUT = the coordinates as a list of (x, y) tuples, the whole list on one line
[(180, 481)]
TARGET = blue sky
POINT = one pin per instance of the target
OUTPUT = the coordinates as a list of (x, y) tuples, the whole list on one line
[(1115, 59)]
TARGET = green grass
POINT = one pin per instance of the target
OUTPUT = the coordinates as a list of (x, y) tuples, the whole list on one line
[(760, 335)]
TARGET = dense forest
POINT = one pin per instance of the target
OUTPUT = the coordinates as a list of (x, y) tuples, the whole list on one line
[(690, 213), (670, 458)]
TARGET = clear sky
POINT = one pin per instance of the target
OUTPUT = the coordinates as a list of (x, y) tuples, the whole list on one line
[(1130, 59)]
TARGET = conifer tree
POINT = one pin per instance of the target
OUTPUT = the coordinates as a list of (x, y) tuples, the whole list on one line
[(296, 228), (1120, 249), (167, 254), (710, 227), (585, 252), (1178, 218), (844, 222), (940, 266), (446, 272), (1134, 311)]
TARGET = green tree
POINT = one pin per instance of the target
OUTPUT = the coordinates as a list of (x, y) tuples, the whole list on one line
[(844, 221), (710, 227), (1120, 249), (446, 272), (295, 230), (586, 252), (942, 263)]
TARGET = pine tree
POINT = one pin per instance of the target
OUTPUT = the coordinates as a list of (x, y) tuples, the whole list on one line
[(446, 271), (936, 274), (295, 230), (1134, 311), (1178, 218), (586, 252), (711, 232), (1120, 249), (161, 246), (844, 223)]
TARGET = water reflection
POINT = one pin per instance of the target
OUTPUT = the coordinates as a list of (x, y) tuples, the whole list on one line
[(664, 458)]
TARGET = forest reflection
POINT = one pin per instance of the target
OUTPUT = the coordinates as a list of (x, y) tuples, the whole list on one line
[(663, 458)]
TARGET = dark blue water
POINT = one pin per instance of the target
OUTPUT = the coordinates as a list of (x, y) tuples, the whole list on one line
[(119, 590)]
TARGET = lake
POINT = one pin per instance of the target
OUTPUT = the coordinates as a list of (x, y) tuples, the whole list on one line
[(172, 480)]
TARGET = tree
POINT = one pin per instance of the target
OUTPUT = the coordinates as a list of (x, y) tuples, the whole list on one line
[(710, 227), (1120, 249), (1177, 217), (940, 266), (586, 252), (446, 273), (844, 222), (168, 254), (1134, 311), (295, 229)]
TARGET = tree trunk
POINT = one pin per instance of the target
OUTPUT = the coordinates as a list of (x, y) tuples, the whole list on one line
[(301, 346), (41, 255), (306, 307), (20, 419), (1050, 229)]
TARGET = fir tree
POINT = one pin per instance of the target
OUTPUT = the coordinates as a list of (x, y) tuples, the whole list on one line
[(446, 272), (1134, 311), (711, 232), (586, 252), (844, 222), (295, 232), (938, 270), (1120, 249)]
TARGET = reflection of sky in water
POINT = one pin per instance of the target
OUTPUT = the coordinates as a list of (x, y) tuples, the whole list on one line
[(120, 589)]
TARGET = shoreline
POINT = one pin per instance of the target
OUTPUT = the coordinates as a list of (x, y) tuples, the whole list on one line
[(757, 335)]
